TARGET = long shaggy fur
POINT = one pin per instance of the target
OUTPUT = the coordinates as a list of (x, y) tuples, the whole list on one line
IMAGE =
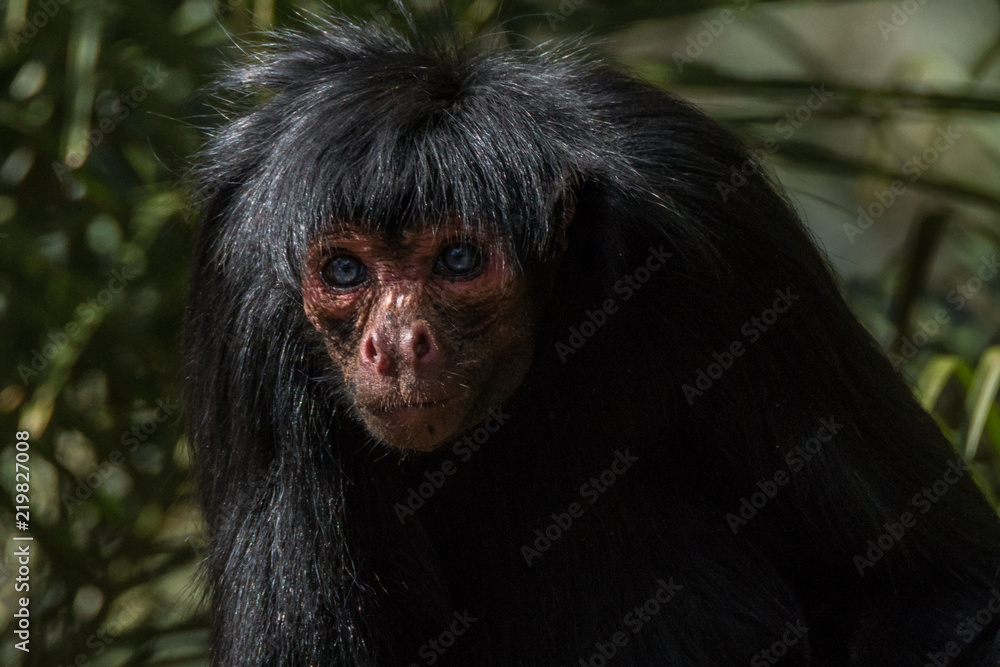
[(309, 561)]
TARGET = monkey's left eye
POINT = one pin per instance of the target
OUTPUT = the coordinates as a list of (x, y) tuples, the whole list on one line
[(344, 272), (459, 260)]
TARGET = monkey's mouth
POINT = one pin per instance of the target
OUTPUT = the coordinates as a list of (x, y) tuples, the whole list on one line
[(402, 408)]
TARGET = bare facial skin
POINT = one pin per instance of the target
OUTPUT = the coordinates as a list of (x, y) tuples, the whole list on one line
[(429, 331)]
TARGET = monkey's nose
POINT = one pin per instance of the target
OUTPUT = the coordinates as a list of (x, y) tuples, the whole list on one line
[(414, 346)]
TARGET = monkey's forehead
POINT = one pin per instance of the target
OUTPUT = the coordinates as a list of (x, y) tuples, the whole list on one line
[(425, 238), (410, 233), (377, 131)]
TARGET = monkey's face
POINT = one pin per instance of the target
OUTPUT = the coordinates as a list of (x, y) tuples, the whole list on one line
[(429, 330)]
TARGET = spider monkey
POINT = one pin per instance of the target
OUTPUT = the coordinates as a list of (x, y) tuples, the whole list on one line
[(482, 369)]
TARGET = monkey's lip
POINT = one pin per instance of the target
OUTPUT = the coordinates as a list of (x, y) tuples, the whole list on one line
[(403, 409)]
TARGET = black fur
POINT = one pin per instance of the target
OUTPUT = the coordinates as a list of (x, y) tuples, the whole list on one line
[(309, 560)]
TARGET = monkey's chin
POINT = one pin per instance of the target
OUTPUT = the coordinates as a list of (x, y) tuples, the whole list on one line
[(423, 427)]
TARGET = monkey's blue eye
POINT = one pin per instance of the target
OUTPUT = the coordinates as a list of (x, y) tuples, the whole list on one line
[(459, 260), (344, 272)]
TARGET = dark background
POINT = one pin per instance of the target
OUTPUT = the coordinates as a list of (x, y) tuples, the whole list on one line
[(879, 117)]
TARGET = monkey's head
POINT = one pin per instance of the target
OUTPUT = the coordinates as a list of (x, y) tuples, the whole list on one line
[(413, 206), (430, 327)]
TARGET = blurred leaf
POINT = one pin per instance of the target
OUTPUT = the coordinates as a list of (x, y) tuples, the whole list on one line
[(982, 402)]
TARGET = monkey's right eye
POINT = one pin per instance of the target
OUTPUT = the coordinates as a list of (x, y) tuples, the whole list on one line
[(344, 272)]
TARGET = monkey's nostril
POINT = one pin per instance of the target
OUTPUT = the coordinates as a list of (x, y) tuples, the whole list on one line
[(422, 345), (373, 354)]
